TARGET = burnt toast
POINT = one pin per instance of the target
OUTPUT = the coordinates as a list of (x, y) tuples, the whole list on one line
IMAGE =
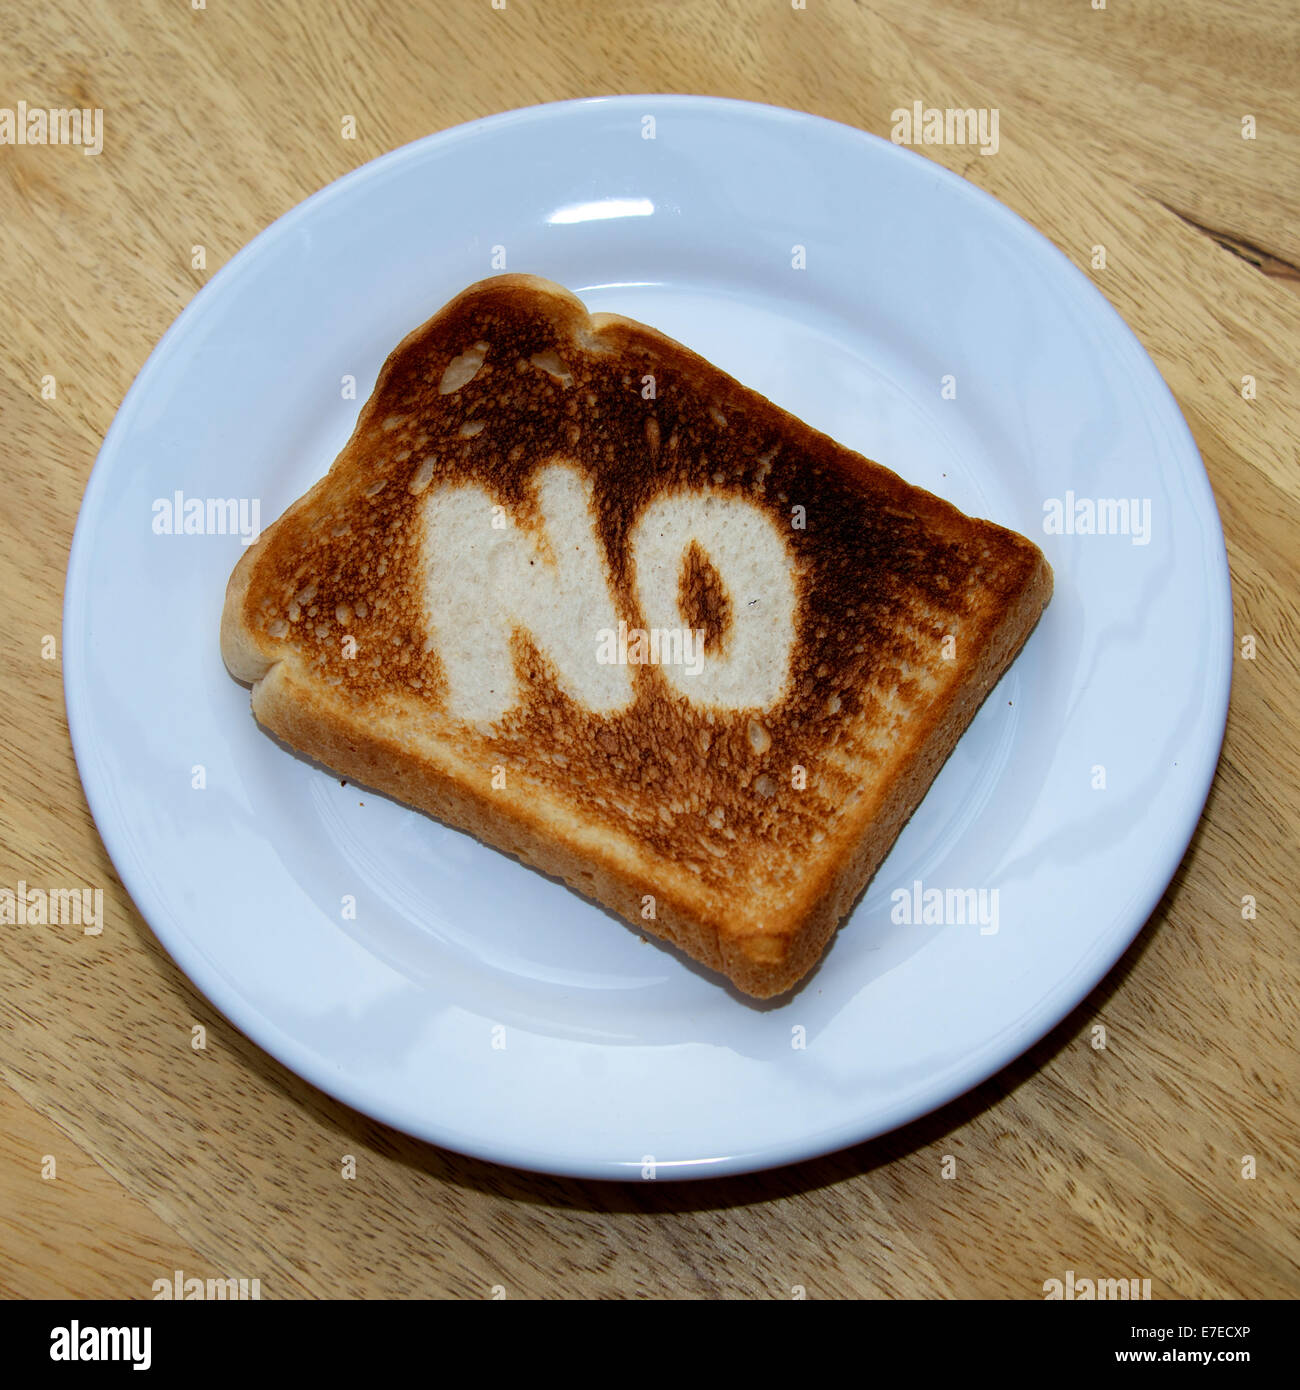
[(571, 588)]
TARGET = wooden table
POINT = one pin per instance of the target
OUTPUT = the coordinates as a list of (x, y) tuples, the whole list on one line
[(1120, 127)]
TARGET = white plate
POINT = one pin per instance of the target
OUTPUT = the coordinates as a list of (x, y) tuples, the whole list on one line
[(474, 1002)]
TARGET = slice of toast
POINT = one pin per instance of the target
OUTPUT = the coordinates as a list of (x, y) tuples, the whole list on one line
[(571, 588)]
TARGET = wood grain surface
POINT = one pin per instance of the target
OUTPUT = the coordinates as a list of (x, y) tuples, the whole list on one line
[(1121, 126)]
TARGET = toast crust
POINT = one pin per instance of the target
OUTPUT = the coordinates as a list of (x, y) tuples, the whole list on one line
[(696, 808)]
